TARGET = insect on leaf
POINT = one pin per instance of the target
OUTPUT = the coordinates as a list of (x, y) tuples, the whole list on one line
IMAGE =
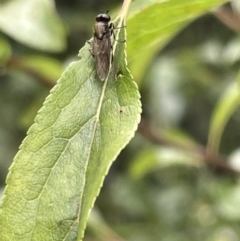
[(59, 170)]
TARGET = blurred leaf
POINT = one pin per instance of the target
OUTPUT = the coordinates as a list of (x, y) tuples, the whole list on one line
[(143, 163), (99, 226), (60, 168), (153, 159), (227, 198), (152, 23), (223, 112), (180, 138), (5, 51), (49, 68), (33, 23)]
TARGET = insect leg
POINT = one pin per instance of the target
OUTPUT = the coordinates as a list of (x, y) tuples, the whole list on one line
[(111, 54), (112, 28)]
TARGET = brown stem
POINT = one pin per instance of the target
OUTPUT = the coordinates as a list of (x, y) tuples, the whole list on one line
[(226, 16), (216, 162)]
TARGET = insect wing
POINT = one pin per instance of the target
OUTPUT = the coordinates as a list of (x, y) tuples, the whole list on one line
[(102, 54)]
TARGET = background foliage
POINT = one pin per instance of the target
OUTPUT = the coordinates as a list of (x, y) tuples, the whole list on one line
[(178, 178)]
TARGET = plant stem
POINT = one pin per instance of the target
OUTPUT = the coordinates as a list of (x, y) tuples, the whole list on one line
[(125, 8), (217, 162)]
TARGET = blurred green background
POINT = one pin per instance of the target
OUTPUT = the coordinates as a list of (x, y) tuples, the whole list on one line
[(166, 184)]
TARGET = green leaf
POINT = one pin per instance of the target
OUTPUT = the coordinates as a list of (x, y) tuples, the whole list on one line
[(153, 159), (224, 110), (47, 67), (61, 165), (153, 23), (33, 23)]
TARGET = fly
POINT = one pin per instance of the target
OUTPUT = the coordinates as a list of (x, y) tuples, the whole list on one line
[(101, 48)]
